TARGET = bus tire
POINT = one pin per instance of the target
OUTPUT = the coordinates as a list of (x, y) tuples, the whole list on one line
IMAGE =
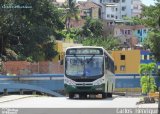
[(82, 96), (109, 95), (104, 95), (71, 95)]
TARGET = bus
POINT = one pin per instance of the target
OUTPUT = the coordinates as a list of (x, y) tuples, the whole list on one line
[(89, 71)]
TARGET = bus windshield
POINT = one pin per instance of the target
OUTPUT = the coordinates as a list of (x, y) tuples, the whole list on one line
[(87, 66)]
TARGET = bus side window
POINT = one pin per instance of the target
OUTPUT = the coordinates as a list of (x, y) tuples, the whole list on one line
[(106, 62)]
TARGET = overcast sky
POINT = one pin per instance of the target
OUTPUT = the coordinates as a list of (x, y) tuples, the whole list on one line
[(148, 2)]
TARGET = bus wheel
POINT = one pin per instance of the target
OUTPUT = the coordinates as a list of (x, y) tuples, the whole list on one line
[(71, 95), (109, 95), (82, 96), (104, 95)]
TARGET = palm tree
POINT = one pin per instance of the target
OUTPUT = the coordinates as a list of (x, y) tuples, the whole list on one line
[(71, 10), (147, 81), (146, 69)]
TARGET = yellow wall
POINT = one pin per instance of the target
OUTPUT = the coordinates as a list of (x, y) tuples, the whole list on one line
[(131, 62), (61, 46)]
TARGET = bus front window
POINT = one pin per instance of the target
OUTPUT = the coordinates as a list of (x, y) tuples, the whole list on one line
[(84, 66), (74, 66), (93, 66)]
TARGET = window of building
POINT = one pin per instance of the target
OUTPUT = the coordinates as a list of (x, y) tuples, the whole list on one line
[(116, 9), (123, 1), (115, 67), (145, 57), (135, 7), (123, 16), (123, 8), (127, 40), (100, 1), (148, 57), (108, 15), (112, 16), (138, 31), (142, 57), (115, 1), (116, 17), (122, 57), (144, 30), (122, 31), (125, 31), (129, 32), (112, 9), (122, 68)]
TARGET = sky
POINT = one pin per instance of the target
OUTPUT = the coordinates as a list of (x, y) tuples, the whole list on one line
[(148, 2)]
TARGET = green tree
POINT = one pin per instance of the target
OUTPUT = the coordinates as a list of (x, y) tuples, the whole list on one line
[(153, 43), (71, 11), (92, 27), (151, 18), (147, 81), (109, 43), (32, 28)]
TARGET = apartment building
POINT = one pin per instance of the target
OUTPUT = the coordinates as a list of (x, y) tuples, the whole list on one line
[(117, 10), (131, 35), (89, 9)]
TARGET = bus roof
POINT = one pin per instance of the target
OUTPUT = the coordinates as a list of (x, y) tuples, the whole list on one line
[(91, 47)]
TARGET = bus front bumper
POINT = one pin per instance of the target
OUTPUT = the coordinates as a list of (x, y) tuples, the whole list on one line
[(86, 89)]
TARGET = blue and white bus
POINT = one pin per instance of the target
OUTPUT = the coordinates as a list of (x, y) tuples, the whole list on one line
[(89, 71)]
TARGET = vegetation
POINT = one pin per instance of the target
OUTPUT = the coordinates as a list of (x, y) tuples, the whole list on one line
[(109, 43), (151, 18), (71, 10), (28, 33), (92, 27), (147, 81), (91, 35)]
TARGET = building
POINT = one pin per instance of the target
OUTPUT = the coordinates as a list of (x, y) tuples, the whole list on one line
[(131, 35), (136, 8), (117, 10), (89, 9), (141, 32), (127, 63), (86, 9)]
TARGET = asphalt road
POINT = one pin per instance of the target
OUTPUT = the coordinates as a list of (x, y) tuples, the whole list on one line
[(33, 104)]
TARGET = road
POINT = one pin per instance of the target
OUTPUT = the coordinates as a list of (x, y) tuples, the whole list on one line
[(34, 101)]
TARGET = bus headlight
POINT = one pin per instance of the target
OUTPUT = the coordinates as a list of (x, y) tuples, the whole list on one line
[(69, 81), (99, 81)]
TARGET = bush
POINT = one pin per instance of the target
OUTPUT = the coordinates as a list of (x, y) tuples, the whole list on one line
[(148, 84)]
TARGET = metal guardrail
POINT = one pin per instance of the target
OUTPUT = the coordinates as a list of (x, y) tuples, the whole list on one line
[(6, 86), (33, 77)]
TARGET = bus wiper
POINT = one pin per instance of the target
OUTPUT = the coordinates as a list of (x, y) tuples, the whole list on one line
[(78, 59), (88, 61)]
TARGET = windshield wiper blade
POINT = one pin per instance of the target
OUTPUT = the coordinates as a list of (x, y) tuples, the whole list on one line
[(78, 59), (88, 61)]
